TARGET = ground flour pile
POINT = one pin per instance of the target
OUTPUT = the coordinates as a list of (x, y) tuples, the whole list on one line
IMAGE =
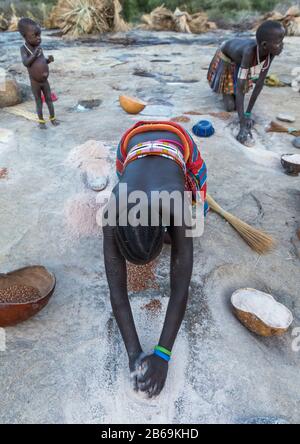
[(89, 157), (81, 215)]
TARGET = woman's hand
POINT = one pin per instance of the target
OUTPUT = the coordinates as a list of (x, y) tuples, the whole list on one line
[(249, 123), (50, 59), (243, 134), (135, 367), (154, 375), (37, 52)]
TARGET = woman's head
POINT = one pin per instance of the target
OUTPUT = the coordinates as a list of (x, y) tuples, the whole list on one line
[(269, 36), (140, 244)]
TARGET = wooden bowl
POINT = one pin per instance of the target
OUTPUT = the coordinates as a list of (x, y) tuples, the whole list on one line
[(255, 318), (293, 169), (132, 105), (37, 277)]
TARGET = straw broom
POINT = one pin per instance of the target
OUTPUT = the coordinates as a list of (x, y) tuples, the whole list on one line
[(258, 240), (275, 127)]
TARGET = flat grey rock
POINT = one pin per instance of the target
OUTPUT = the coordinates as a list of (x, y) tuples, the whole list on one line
[(89, 104), (286, 118), (96, 183)]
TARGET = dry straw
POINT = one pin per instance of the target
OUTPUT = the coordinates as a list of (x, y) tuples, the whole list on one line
[(14, 20), (258, 240), (3, 23), (80, 17), (163, 19)]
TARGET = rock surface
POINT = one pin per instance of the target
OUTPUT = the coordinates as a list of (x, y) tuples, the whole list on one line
[(10, 93), (286, 118), (68, 364)]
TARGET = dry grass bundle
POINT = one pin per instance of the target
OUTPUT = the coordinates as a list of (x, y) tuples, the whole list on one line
[(162, 19), (3, 23), (80, 17), (199, 23), (159, 19), (275, 127), (258, 240), (290, 20), (293, 26), (119, 23), (182, 20), (14, 20)]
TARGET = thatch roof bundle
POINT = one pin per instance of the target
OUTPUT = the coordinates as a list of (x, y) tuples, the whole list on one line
[(163, 19), (290, 20), (159, 19), (80, 17), (3, 23), (14, 20)]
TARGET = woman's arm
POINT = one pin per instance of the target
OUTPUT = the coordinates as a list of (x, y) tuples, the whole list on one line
[(116, 272), (240, 96), (156, 369), (181, 272), (258, 87)]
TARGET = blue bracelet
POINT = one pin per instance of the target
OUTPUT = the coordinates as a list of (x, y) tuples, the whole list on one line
[(162, 355)]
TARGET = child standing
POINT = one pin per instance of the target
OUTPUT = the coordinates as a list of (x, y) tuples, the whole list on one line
[(36, 63), (238, 63)]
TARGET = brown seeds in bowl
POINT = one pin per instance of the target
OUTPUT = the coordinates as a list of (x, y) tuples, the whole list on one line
[(19, 294)]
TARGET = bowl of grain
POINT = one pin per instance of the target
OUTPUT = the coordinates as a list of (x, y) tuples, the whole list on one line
[(291, 164), (23, 293)]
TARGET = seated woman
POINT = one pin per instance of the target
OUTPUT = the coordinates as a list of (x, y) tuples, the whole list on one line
[(152, 157)]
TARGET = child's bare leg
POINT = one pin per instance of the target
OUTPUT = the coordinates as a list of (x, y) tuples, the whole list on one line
[(229, 102), (36, 89), (47, 94)]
